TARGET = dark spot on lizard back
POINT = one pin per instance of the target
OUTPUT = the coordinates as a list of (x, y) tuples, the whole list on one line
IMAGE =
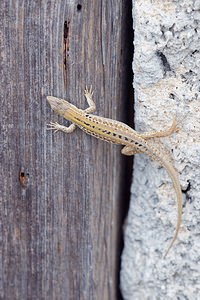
[(77, 119)]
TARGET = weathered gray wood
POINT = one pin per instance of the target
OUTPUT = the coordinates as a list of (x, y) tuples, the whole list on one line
[(59, 226)]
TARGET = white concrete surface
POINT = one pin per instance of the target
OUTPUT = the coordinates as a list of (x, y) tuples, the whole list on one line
[(166, 81)]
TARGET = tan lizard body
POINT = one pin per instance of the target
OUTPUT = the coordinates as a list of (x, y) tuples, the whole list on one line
[(118, 133)]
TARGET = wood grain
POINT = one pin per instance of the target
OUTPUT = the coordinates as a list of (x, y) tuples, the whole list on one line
[(60, 218)]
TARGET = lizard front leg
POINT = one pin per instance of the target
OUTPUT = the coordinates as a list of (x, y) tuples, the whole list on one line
[(88, 95), (55, 126)]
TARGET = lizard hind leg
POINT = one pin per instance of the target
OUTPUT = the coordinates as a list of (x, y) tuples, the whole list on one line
[(130, 150), (163, 133)]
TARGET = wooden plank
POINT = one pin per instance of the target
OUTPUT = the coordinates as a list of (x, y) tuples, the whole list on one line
[(60, 221)]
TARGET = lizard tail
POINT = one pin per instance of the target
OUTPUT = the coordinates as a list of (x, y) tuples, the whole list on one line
[(174, 177)]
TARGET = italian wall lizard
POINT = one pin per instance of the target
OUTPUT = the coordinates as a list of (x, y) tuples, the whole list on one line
[(118, 133)]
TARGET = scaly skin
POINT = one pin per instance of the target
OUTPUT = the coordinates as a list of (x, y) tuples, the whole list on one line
[(118, 133)]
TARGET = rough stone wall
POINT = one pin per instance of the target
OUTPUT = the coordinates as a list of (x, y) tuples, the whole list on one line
[(166, 81)]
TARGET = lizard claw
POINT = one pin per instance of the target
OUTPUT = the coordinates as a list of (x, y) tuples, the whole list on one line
[(53, 126), (88, 92), (174, 127)]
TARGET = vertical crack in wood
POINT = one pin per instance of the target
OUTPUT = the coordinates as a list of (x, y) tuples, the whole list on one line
[(65, 50)]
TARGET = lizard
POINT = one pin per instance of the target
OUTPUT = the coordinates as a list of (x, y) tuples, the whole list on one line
[(119, 133)]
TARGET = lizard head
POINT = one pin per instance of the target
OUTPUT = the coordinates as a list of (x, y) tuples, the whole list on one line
[(59, 105)]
